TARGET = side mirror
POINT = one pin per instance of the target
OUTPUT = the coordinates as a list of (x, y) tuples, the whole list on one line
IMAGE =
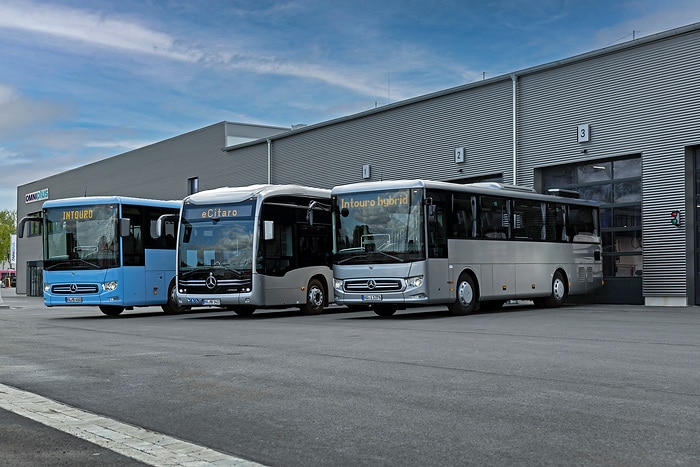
[(269, 227), (160, 224), (23, 222), (124, 227)]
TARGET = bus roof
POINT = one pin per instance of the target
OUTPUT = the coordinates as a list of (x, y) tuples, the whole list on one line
[(238, 194), (91, 200), (484, 188)]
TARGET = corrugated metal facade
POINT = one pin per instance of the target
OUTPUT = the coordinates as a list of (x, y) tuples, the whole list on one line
[(636, 100), (640, 97), (414, 140)]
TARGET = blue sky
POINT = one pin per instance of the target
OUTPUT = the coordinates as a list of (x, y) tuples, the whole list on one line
[(84, 80)]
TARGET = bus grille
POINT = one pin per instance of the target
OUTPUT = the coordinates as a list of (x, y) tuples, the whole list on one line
[(68, 289), (219, 282), (374, 285)]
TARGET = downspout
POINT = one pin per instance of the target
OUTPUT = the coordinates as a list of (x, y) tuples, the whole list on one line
[(269, 160), (514, 78)]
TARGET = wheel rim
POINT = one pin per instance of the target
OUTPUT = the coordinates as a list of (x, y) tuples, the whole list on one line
[(173, 297), (558, 289), (465, 293), (316, 297)]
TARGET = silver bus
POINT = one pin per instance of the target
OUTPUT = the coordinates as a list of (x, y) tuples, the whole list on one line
[(260, 246), (408, 243)]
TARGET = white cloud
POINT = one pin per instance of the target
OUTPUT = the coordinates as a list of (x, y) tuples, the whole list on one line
[(651, 19), (126, 35), (17, 111), (122, 145), (88, 27)]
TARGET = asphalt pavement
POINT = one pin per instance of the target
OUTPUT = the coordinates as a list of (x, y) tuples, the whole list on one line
[(578, 385)]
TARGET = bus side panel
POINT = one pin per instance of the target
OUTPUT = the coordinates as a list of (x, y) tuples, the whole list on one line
[(134, 286), (160, 270), (156, 288), (438, 280), (290, 289), (504, 280), (532, 279)]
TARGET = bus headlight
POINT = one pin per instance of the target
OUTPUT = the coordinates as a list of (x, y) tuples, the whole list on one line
[(47, 287), (109, 286), (338, 284), (414, 282)]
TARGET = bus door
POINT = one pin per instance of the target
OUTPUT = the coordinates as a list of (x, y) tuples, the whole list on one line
[(438, 272)]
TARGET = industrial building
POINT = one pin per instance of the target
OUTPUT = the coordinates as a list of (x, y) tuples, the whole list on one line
[(620, 125)]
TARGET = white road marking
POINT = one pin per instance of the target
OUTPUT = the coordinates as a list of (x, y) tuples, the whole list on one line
[(132, 441)]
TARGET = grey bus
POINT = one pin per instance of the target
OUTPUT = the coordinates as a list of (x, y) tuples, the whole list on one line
[(409, 243), (260, 246)]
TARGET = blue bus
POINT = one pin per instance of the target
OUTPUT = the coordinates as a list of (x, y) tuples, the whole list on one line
[(102, 251)]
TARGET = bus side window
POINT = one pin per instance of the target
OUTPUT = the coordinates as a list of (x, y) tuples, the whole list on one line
[(551, 225), (463, 220), (560, 223), (582, 224), (494, 218)]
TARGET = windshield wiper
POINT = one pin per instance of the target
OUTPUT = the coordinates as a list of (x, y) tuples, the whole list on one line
[(188, 273), (71, 264), (388, 255), (347, 260), (234, 271), (366, 255)]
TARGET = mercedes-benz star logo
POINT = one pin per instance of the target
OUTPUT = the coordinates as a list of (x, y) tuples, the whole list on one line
[(371, 284), (73, 288), (211, 281)]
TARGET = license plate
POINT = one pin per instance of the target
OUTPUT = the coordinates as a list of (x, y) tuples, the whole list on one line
[(74, 299), (211, 301), (372, 298)]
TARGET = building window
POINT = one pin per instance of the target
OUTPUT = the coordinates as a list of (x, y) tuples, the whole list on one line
[(192, 185), (617, 185)]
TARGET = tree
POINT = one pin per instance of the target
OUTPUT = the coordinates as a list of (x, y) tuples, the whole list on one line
[(8, 226)]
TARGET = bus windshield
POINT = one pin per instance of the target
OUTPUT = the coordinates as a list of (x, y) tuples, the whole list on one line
[(217, 237), (81, 237), (379, 227)]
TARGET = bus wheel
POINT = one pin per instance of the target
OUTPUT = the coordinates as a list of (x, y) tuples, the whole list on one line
[(243, 310), (173, 306), (111, 310), (466, 297), (558, 291), (384, 310), (315, 298)]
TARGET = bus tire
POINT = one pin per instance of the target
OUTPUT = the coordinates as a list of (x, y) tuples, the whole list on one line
[(315, 298), (384, 310), (173, 307), (111, 310), (465, 302), (556, 299), (243, 310)]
